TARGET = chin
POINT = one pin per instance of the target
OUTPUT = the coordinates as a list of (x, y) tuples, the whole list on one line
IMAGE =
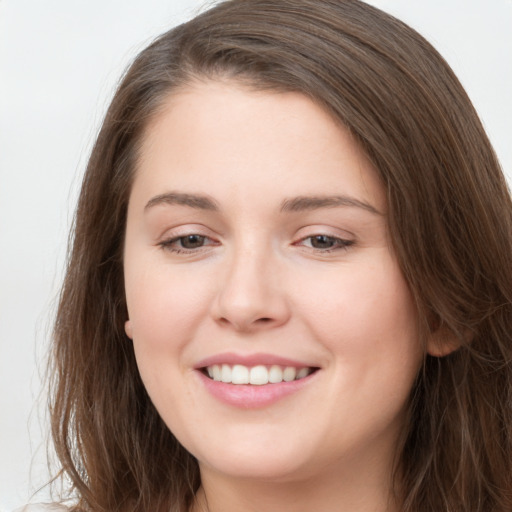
[(274, 460), (262, 467)]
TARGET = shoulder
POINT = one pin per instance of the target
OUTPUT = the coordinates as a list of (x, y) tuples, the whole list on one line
[(43, 507)]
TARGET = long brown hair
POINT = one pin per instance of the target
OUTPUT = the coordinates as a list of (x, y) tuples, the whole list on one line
[(450, 218)]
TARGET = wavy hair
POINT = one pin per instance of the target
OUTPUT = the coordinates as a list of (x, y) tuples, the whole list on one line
[(450, 219)]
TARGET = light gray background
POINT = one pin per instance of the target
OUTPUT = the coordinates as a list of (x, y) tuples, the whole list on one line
[(59, 63)]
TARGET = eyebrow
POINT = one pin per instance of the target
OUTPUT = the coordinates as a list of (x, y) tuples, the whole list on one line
[(302, 203), (192, 200), (296, 204)]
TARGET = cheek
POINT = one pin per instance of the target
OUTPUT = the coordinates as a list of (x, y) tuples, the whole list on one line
[(161, 300), (164, 314), (165, 309), (366, 316)]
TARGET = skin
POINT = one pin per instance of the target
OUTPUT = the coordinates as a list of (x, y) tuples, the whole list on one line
[(259, 283)]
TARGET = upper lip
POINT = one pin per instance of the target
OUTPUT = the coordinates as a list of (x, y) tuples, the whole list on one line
[(250, 360)]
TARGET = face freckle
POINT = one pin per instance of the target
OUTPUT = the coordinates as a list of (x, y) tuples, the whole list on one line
[(257, 238)]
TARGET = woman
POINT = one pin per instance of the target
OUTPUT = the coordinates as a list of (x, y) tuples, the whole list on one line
[(290, 282)]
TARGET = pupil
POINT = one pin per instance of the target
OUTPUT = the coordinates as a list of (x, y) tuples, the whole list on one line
[(322, 242), (192, 241)]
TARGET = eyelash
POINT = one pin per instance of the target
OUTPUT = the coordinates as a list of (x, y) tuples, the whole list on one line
[(170, 245), (339, 243)]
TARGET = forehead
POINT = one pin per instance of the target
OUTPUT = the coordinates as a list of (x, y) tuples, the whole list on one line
[(225, 137)]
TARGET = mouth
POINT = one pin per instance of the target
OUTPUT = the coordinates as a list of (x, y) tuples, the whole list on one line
[(255, 381), (258, 375)]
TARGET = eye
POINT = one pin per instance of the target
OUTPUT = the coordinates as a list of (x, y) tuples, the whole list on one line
[(325, 243), (187, 243), (191, 241)]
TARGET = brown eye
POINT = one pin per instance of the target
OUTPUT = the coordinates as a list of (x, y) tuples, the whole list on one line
[(187, 244), (192, 241), (323, 242)]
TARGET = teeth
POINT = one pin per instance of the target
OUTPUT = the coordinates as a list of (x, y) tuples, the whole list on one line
[(225, 373), (289, 374), (256, 375), (303, 372), (240, 374), (275, 374), (217, 375)]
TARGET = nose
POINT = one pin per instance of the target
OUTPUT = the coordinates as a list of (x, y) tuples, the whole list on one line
[(251, 294)]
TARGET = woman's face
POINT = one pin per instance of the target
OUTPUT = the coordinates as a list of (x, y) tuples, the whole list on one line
[(257, 250)]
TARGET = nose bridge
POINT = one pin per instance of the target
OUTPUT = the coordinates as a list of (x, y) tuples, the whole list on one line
[(249, 294)]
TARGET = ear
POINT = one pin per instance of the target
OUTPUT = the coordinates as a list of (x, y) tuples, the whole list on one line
[(442, 342), (128, 329)]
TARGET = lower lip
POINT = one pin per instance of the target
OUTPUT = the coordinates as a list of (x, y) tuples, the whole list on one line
[(247, 396)]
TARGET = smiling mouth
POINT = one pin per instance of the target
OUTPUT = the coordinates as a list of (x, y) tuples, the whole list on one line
[(256, 375)]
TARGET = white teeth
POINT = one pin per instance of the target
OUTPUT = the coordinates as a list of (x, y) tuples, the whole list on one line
[(257, 375), (225, 373), (303, 372), (289, 374), (240, 374), (275, 374), (217, 375)]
